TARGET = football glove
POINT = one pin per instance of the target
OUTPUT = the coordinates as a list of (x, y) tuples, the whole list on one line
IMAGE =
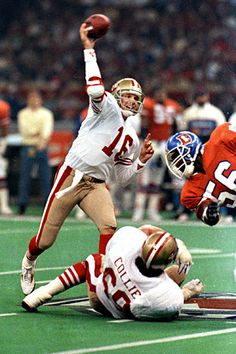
[(183, 258), (209, 212)]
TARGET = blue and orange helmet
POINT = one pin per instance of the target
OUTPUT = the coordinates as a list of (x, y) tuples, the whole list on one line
[(181, 152)]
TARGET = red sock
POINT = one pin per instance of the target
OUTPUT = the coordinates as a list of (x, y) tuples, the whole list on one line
[(74, 275), (103, 242), (33, 248)]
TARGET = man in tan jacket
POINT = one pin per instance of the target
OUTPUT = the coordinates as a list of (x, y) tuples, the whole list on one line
[(35, 124)]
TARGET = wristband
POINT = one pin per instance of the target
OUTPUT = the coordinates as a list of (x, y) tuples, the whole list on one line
[(140, 163), (89, 55)]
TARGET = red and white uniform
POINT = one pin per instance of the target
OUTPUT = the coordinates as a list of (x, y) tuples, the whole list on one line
[(123, 289), (106, 143), (105, 140), (219, 163)]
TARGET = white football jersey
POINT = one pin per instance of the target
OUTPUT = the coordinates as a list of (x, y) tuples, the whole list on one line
[(105, 140), (123, 289)]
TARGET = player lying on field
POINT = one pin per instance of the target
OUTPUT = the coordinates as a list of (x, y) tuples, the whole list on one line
[(132, 280), (210, 170)]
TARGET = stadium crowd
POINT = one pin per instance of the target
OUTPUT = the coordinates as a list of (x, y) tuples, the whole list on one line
[(181, 44)]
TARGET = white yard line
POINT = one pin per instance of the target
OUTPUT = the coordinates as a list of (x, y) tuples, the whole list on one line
[(150, 342), (8, 314), (38, 270), (43, 281)]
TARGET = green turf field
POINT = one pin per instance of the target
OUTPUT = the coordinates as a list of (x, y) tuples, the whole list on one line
[(70, 329)]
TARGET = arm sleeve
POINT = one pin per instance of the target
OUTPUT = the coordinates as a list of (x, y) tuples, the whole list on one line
[(20, 124), (95, 87), (48, 126), (126, 169), (192, 192)]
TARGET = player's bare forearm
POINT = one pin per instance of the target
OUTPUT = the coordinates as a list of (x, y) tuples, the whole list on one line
[(147, 150), (87, 42)]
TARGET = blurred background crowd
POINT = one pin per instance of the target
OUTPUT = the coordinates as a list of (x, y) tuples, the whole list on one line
[(178, 43), (181, 46)]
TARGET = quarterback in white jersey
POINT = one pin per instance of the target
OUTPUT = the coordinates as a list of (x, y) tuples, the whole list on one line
[(106, 144), (132, 280)]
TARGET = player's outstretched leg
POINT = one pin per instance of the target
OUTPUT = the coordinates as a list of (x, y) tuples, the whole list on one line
[(72, 276)]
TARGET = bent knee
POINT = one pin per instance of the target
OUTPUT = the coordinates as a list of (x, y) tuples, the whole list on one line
[(109, 230)]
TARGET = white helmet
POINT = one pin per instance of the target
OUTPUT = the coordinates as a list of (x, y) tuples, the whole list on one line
[(128, 85), (159, 250)]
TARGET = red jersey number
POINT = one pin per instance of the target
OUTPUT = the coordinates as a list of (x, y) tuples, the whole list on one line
[(162, 115), (119, 297), (128, 140), (226, 198)]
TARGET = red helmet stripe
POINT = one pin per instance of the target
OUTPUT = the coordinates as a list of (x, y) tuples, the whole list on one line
[(155, 250)]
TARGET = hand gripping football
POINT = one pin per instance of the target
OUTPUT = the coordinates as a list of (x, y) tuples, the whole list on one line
[(98, 25)]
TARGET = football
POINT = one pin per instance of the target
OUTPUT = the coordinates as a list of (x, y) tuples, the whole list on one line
[(98, 24)]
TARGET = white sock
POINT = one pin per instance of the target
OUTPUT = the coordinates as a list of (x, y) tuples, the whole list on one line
[(54, 287)]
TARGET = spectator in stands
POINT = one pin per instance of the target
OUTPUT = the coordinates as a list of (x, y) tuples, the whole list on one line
[(174, 43), (35, 124), (202, 117), (4, 130), (232, 118)]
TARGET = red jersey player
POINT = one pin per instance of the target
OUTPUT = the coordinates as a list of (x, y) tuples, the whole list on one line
[(159, 117), (210, 170), (159, 114)]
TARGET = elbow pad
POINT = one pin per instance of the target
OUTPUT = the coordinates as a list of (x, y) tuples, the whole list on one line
[(95, 88)]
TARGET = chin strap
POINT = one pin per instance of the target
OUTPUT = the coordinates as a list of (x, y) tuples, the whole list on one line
[(126, 113)]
